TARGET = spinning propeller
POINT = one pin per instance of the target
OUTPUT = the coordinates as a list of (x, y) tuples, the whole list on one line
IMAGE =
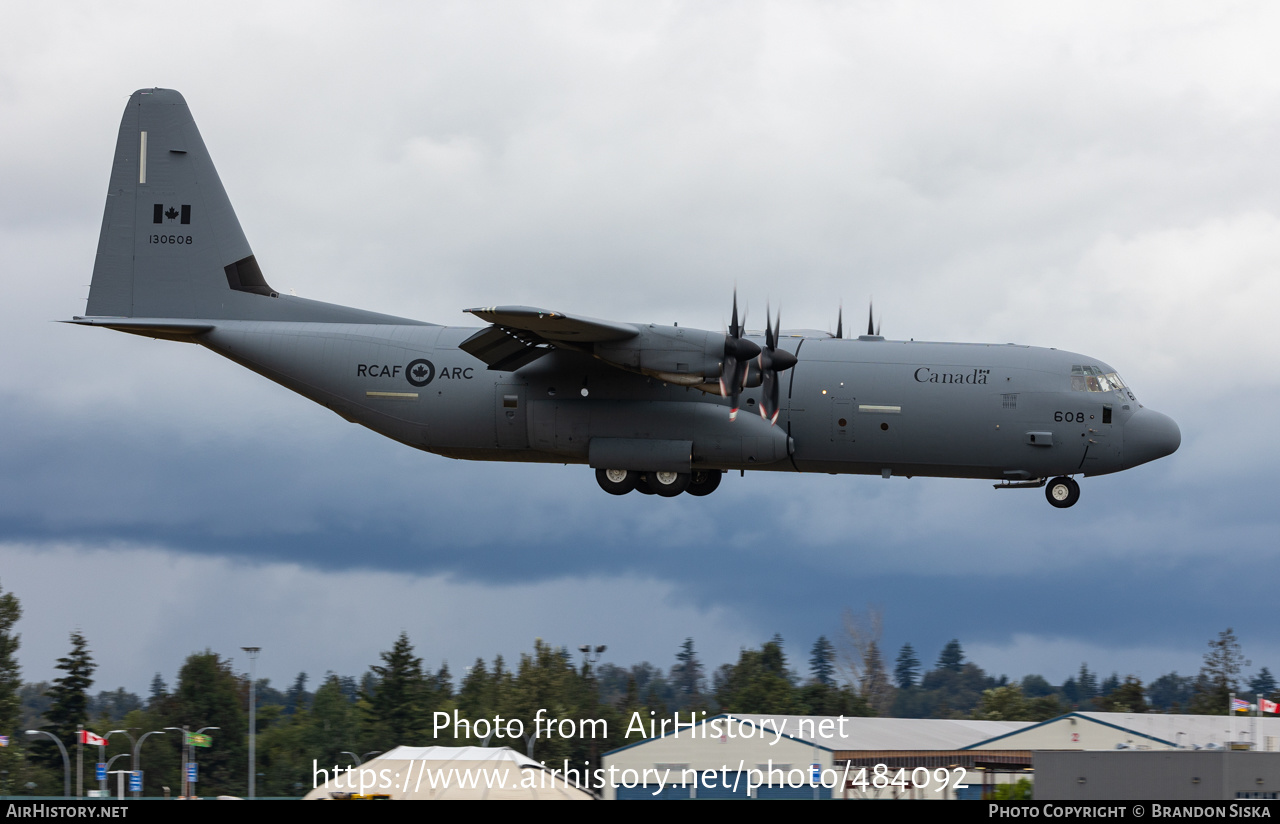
[(772, 361), (738, 352), (873, 328)]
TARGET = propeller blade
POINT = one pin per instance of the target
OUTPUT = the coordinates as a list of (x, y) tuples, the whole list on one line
[(738, 352), (871, 329), (769, 406), (772, 361), (840, 322)]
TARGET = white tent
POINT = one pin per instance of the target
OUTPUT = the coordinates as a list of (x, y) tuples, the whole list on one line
[(453, 773)]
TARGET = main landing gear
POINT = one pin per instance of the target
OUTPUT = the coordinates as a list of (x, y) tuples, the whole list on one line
[(1062, 492), (667, 484)]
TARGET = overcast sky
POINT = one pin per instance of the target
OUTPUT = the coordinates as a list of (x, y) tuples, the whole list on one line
[(1101, 178)]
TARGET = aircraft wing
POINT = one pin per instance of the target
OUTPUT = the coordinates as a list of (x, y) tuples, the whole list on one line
[(522, 334)]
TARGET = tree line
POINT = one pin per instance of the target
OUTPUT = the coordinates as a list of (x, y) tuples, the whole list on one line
[(401, 700)]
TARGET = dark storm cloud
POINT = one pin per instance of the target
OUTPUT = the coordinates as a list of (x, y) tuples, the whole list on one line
[(1096, 181)]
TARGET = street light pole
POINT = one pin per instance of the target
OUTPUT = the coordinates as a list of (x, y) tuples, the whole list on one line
[(119, 775), (193, 752), (182, 772), (66, 761), (132, 760), (252, 652), (136, 763)]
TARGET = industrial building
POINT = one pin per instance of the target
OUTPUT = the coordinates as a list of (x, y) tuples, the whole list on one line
[(778, 756), (765, 756)]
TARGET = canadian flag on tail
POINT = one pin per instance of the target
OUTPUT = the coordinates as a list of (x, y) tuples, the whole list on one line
[(87, 737), (1267, 706)]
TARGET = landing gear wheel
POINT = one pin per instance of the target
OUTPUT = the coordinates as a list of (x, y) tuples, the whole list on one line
[(703, 481), (617, 481), (667, 484), (1062, 492)]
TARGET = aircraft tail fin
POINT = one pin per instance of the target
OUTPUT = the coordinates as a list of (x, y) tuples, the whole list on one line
[(171, 246)]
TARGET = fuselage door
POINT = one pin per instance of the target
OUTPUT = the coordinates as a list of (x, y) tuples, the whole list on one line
[(1101, 446)]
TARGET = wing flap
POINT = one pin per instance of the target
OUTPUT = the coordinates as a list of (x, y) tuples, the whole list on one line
[(554, 327), (503, 349)]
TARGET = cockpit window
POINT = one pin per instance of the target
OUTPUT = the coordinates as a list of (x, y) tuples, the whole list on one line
[(1093, 379)]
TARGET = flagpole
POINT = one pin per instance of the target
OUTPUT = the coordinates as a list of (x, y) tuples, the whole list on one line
[(80, 764)]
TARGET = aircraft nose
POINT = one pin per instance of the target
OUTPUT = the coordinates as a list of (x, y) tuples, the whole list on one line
[(1149, 435)]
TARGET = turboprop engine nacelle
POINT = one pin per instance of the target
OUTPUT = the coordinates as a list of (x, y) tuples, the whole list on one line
[(673, 354)]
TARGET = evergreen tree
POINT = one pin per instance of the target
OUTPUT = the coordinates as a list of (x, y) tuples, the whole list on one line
[(547, 680), (397, 706), (69, 710), (822, 662), (1126, 697), (499, 681), (631, 698), (1171, 692), (949, 693), (907, 670), (159, 691), (759, 682), (686, 675), (334, 724), (10, 674), (1219, 676), (774, 658), (951, 659), (475, 699), (1036, 686), (1071, 692), (113, 705), (1264, 683), (443, 681), (10, 684), (296, 697), (35, 703), (1087, 684)]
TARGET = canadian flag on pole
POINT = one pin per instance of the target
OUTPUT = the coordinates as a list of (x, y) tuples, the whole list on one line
[(87, 737), (1267, 706)]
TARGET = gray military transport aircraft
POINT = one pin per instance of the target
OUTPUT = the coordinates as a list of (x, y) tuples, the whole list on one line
[(649, 407)]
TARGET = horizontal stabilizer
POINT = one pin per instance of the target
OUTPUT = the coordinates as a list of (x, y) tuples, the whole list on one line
[(161, 328)]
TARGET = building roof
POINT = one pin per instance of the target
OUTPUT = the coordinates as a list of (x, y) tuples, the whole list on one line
[(886, 733), (832, 732), (450, 773), (1158, 730)]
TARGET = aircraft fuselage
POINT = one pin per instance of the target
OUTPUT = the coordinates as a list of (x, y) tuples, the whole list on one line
[(865, 406)]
